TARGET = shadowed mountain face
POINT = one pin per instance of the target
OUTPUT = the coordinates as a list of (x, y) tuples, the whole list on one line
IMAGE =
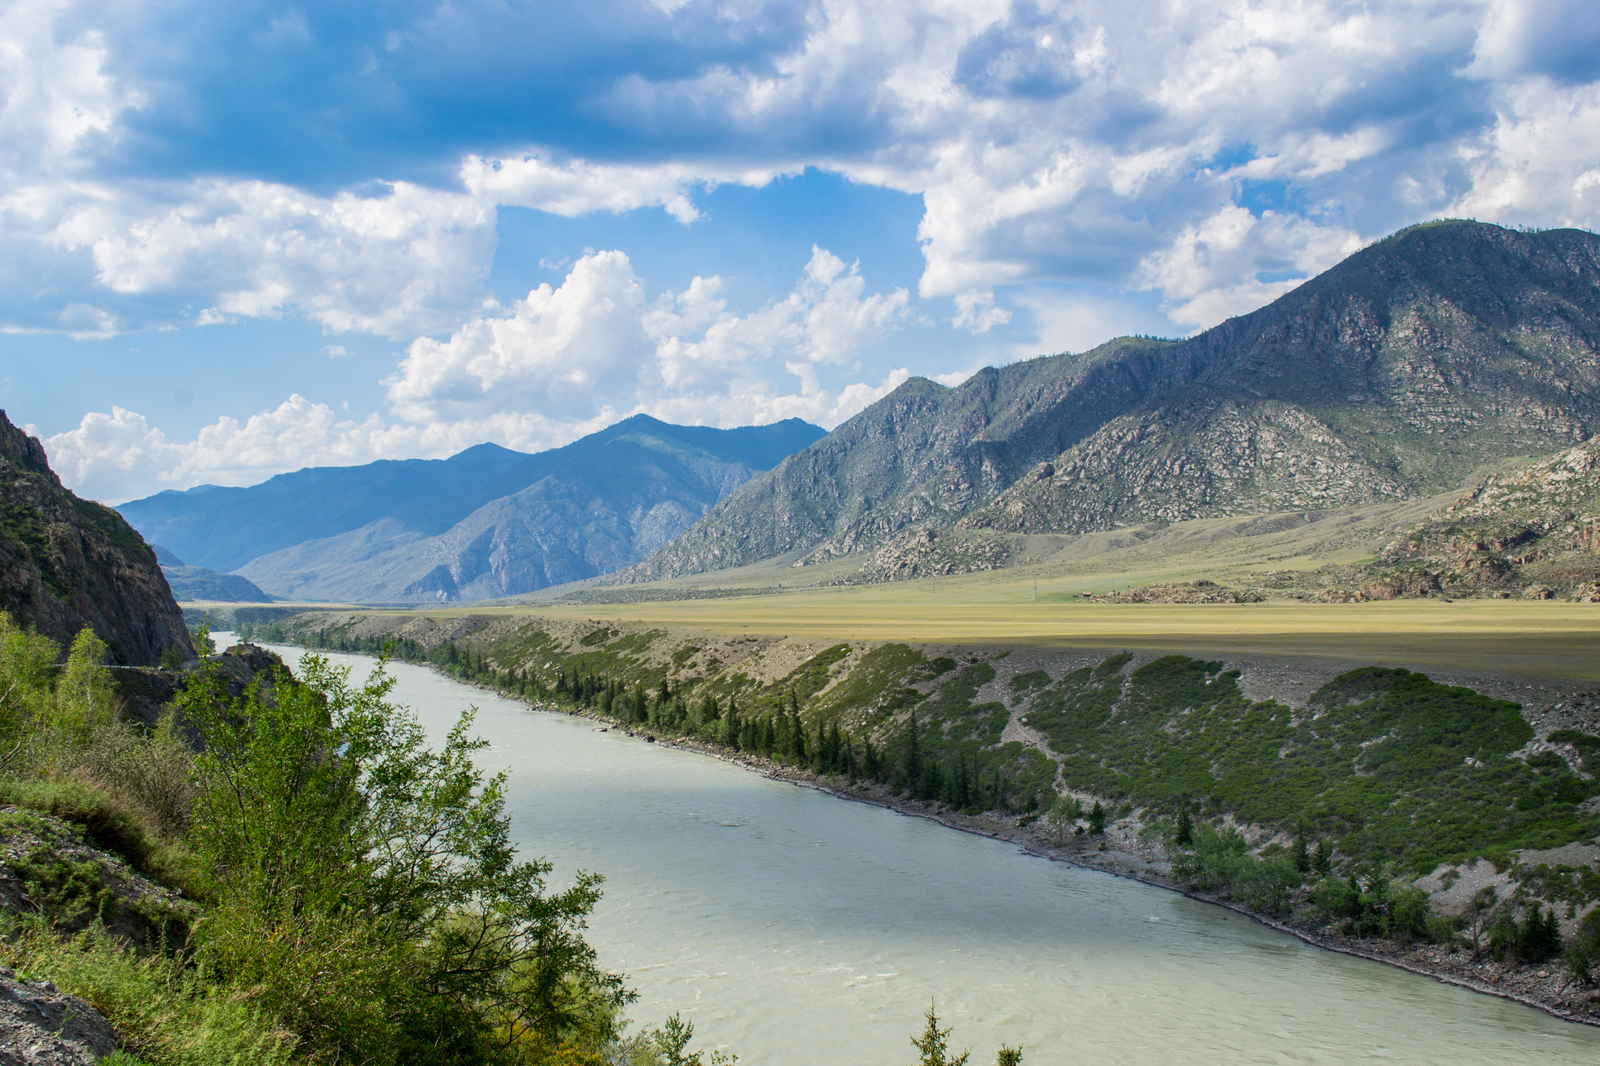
[(1396, 374), (483, 524), (67, 563), (197, 583)]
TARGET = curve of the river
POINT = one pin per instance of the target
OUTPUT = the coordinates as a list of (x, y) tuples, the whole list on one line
[(797, 929)]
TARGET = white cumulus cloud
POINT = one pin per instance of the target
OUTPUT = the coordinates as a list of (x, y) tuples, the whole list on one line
[(594, 341)]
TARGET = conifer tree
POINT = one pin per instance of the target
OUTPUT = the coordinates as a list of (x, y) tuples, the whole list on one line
[(1299, 855), (1183, 837), (934, 1044), (1097, 819)]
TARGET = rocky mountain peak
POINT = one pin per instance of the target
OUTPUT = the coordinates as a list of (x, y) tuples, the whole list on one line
[(22, 451), (1396, 374)]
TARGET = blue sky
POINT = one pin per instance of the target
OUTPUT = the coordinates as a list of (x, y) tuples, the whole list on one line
[(241, 239)]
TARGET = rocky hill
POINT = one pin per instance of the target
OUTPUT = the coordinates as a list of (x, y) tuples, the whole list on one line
[(1394, 375), (1533, 532), (597, 505), (66, 563)]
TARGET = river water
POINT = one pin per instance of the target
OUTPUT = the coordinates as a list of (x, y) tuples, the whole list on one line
[(798, 929)]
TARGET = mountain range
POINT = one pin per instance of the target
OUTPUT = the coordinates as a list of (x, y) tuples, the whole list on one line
[(486, 523), (1399, 373)]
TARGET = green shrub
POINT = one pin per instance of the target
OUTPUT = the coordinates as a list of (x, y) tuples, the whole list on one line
[(170, 1016), (1265, 884), (367, 890)]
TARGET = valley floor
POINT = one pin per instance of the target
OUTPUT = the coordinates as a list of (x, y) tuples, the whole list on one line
[(1551, 640)]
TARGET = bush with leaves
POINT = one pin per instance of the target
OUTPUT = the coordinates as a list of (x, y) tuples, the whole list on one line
[(366, 886), (1378, 906), (1584, 951), (1211, 862)]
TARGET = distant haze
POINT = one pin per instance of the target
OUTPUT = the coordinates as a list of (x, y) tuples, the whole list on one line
[(487, 522)]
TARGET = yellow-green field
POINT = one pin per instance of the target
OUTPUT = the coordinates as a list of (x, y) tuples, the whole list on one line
[(1036, 602), (1538, 638)]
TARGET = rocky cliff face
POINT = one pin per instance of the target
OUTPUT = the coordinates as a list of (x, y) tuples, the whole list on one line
[(922, 456), (66, 563), (1393, 375), (1213, 455)]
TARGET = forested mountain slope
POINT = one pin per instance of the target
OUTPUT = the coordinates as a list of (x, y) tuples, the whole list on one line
[(1396, 374)]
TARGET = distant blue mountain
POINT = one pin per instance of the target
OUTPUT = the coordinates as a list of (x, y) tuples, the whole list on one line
[(196, 583), (364, 533)]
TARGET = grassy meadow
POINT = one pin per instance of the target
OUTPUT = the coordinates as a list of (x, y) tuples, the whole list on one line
[(1038, 600), (1549, 639)]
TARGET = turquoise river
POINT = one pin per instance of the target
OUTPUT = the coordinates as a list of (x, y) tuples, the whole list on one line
[(797, 929)]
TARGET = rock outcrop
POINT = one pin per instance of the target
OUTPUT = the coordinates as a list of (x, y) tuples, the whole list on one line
[(1533, 532), (40, 1026), (67, 563)]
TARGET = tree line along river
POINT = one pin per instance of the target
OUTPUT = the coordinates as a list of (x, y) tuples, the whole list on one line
[(795, 928)]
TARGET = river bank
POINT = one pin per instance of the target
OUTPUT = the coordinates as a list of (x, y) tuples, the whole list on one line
[(1119, 852), (1542, 986)]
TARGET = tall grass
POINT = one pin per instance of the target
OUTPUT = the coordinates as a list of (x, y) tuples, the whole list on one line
[(168, 1014)]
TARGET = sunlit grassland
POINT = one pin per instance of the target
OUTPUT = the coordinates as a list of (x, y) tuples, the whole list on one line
[(1547, 639)]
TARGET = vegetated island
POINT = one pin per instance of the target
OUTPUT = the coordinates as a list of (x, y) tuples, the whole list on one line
[(1386, 815)]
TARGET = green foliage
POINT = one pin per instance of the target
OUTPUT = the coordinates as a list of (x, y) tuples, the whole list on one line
[(1584, 951), (1378, 906), (934, 1043), (1183, 834), (65, 752), (1391, 765), (669, 1046), (1064, 814), (1536, 938), (366, 886), (879, 684), (170, 1014)]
